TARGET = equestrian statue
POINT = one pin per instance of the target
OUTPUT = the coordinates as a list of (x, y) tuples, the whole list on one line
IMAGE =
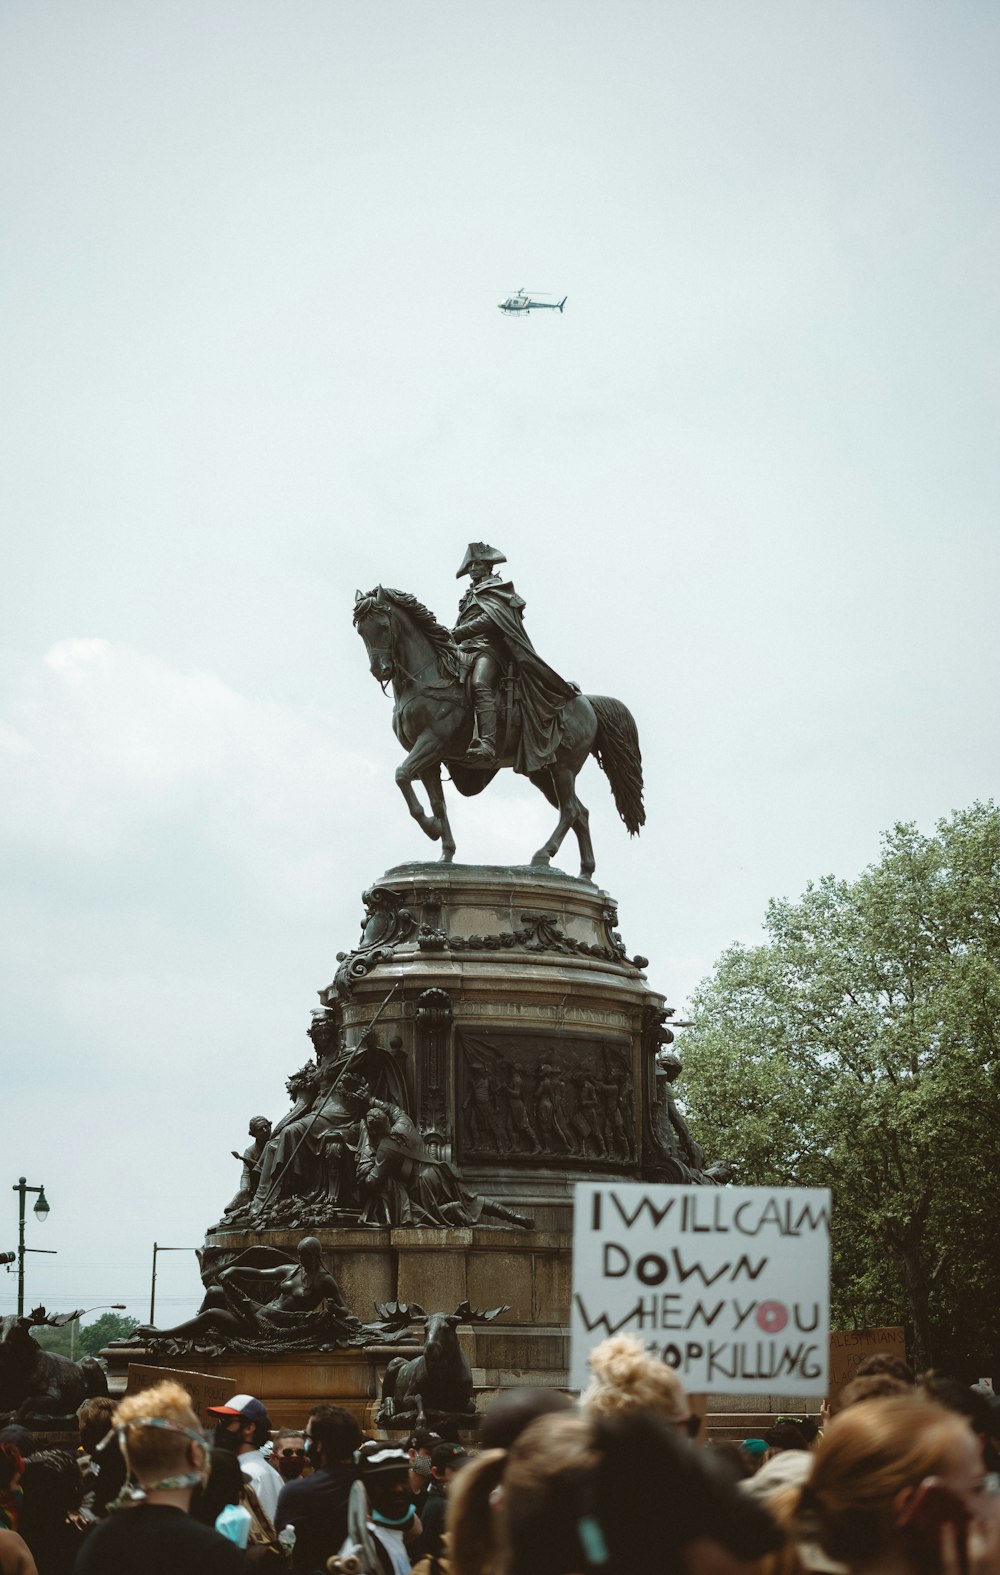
[(479, 698)]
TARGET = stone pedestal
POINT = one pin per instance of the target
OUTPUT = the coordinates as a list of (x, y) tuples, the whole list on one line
[(500, 1010)]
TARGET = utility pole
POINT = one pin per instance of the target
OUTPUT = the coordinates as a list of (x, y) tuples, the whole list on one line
[(152, 1284)]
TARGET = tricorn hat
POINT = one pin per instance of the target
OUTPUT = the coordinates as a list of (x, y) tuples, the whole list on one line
[(479, 552)]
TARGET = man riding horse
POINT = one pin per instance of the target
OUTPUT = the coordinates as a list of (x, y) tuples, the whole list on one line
[(490, 629)]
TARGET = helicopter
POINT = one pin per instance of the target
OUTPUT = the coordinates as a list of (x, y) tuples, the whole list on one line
[(522, 302)]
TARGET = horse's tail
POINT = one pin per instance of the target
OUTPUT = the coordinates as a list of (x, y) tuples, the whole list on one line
[(616, 750)]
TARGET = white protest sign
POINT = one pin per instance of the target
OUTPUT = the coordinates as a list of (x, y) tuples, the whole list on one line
[(729, 1285)]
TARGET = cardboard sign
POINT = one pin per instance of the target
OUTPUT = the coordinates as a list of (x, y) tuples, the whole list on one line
[(849, 1347), (204, 1388), (729, 1285)]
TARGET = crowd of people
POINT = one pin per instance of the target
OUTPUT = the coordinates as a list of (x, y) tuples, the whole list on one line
[(899, 1480)]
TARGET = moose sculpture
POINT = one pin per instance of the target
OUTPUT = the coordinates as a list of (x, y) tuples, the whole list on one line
[(436, 1386), (35, 1384)]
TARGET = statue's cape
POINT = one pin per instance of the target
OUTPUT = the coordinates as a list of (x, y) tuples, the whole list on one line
[(543, 692)]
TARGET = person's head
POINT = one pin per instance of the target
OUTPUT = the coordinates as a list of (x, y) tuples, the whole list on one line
[(627, 1378), (11, 1466), (791, 1432), (509, 1414), (447, 1461), (241, 1424), (22, 1438), (419, 1448), (94, 1421), (869, 1460), (52, 1488), (624, 1493), (310, 1252), (332, 1435), (260, 1128), (753, 1452), (288, 1457), (885, 1362), (161, 1438), (385, 1471), (377, 1122), (876, 1386)]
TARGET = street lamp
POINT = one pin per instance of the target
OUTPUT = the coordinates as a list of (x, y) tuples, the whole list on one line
[(41, 1214), (99, 1307), (152, 1284)]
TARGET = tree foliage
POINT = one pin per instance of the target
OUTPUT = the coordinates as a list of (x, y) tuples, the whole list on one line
[(858, 1049), (89, 1338)]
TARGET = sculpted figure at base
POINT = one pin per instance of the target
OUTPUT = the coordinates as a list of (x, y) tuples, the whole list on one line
[(403, 1184), (37, 1385), (260, 1131), (436, 1386), (680, 1157), (306, 1311)]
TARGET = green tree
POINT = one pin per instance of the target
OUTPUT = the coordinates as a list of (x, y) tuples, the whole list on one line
[(89, 1338), (858, 1049)]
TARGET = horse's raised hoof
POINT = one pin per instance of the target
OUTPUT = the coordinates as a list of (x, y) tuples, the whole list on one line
[(431, 826)]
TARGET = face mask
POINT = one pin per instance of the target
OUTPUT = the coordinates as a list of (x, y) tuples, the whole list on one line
[(224, 1439), (396, 1523), (420, 1465)]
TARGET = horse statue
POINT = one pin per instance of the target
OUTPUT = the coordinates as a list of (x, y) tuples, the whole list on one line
[(433, 719)]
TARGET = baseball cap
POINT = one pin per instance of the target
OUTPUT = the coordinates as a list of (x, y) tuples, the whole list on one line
[(374, 1458), (445, 1455), (245, 1406)]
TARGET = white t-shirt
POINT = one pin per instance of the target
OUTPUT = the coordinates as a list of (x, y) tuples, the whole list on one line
[(392, 1542), (264, 1480)]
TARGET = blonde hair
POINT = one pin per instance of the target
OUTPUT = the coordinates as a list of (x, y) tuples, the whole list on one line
[(154, 1452), (866, 1457), (627, 1378)]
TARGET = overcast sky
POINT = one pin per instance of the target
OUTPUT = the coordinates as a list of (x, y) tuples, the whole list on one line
[(252, 361)]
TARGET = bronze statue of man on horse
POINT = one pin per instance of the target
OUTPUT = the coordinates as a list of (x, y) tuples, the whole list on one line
[(445, 685), (490, 629)]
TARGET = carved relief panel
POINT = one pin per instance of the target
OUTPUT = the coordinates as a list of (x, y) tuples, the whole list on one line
[(544, 1100)]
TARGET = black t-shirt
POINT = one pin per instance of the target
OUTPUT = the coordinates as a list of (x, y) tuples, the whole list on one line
[(156, 1539), (317, 1507)]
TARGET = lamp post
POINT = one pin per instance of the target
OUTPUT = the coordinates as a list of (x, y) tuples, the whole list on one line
[(41, 1212), (99, 1307), (152, 1284)]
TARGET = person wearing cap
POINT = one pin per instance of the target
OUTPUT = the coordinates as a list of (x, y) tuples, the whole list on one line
[(490, 629), (420, 1446), (384, 1472), (243, 1423), (447, 1461), (166, 1452), (316, 1505)]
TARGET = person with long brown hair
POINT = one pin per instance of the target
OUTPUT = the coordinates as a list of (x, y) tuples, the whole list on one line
[(622, 1495), (886, 1476)]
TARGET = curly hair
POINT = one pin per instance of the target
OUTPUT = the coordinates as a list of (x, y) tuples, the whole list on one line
[(154, 1452), (627, 1378)]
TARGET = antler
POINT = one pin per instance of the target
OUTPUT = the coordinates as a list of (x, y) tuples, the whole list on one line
[(398, 1314), (38, 1316), (467, 1314)]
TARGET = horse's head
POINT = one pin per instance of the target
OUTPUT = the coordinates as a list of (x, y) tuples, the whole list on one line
[(373, 621)]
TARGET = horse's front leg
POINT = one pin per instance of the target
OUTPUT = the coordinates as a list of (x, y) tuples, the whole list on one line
[(563, 785), (425, 754), (431, 778)]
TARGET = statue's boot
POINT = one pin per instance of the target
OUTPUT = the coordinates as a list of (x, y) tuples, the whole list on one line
[(498, 1212), (485, 747)]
